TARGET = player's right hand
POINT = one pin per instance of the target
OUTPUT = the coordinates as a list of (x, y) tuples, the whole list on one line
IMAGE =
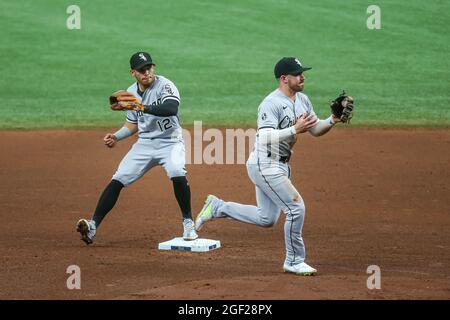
[(110, 140), (305, 122)]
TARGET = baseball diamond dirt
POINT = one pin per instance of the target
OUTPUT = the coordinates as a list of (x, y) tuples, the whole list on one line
[(380, 199)]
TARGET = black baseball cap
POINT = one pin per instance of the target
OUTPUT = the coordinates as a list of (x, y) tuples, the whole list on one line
[(140, 59), (289, 65)]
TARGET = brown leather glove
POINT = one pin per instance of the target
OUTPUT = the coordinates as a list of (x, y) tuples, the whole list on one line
[(124, 100)]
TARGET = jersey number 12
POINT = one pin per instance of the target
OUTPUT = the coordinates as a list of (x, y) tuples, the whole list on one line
[(164, 124)]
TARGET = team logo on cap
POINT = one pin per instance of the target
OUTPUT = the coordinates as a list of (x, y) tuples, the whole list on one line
[(141, 55), (298, 62)]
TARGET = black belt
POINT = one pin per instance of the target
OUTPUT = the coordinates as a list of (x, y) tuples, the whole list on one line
[(283, 159)]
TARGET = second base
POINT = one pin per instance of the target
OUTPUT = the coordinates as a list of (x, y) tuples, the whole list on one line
[(198, 245)]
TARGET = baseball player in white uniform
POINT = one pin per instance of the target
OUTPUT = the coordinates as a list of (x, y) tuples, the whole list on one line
[(159, 142), (282, 116)]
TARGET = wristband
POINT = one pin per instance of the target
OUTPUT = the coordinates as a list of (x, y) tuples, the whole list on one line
[(123, 133)]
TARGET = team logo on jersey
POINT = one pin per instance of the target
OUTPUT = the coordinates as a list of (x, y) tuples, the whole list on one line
[(141, 55), (264, 116), (298, 62), (168, 89), (285, 123)]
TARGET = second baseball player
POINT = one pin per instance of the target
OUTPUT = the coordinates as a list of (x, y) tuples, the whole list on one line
[(282, 116)]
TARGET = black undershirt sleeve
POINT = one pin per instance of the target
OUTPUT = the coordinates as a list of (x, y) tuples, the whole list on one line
[(165, 109)]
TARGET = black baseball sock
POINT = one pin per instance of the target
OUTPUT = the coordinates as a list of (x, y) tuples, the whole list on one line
[(183, 195), (107, 201)]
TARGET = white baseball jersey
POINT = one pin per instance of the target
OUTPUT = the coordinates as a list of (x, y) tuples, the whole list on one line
[(277, 111), (151, 126)]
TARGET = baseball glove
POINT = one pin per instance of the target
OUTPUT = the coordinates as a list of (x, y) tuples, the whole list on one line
[(124, 100), (342, 107)]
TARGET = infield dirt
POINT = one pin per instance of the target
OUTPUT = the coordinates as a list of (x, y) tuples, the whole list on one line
[(381, 198)]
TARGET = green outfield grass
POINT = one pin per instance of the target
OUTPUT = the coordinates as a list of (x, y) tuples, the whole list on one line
[(221, 54)]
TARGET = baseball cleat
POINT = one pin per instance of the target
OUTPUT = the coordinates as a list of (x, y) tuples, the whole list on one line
[(301, 269), (206, 213), (87, 230), (189, 230)]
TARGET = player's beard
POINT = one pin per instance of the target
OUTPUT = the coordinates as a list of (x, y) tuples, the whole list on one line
[(296, 86)]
